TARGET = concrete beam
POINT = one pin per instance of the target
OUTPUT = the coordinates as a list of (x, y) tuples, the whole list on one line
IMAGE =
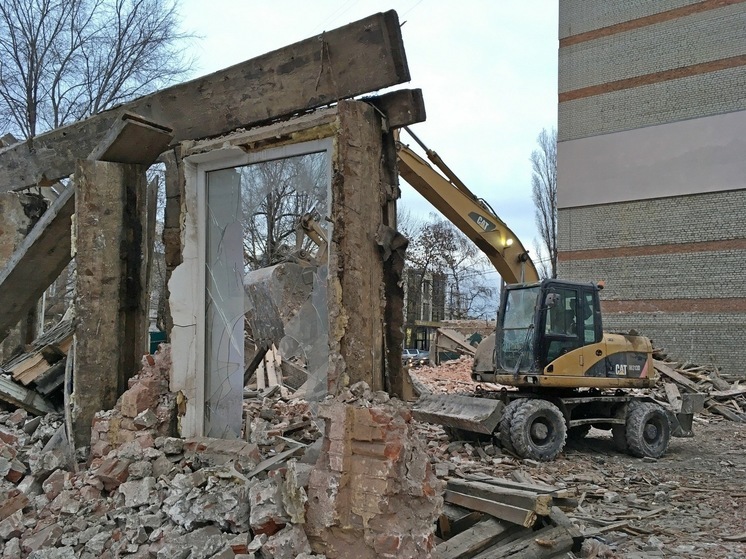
[(37, 262), (45, 251), (363, 56)]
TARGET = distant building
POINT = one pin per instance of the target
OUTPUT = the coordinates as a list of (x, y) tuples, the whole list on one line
[(652, 169)]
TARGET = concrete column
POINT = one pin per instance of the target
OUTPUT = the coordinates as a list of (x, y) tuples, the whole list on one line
[(356, 274), (111, 333)]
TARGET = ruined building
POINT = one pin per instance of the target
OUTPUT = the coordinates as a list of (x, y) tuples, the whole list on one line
[(651, 169), (316, 282)]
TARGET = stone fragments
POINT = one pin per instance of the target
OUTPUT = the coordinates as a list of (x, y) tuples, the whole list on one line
[(145, 411)]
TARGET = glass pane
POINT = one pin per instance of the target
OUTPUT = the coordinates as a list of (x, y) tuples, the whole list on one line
[(517, 344), (265, 279)]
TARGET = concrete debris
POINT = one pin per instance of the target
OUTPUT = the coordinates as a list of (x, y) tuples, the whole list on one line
[(373, 484), (144, 493)]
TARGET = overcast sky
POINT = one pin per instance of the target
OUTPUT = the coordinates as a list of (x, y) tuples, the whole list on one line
[(487, 69)]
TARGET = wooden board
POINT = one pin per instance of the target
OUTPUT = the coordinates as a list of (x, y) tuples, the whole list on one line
[(551, 541), (516, 515), (360, 57), (673, 395), (22, 397), (483, 535), (524, 486), (540, 504), (675, 376)]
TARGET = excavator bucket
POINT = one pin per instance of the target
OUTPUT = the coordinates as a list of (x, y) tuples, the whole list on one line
[(480, 415)]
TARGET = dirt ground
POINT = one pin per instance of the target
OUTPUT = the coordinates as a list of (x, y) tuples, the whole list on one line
[(691, 503)]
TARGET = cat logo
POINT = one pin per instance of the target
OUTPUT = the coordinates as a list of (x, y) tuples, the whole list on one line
[(620, 370), (482, 221)]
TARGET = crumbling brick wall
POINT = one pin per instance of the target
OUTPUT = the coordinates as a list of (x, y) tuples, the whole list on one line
[(373, 492)]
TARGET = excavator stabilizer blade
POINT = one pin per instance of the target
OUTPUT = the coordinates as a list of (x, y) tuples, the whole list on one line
[(480, 415)]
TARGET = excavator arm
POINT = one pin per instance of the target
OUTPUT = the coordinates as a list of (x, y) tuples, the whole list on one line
[(472, 216)]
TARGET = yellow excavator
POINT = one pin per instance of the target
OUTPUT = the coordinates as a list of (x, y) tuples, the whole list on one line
[(567, 374)]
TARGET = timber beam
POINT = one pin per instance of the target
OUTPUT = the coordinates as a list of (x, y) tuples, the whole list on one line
[(360, 57)]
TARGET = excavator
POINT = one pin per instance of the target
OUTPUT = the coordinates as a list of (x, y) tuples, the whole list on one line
[(560, 373)]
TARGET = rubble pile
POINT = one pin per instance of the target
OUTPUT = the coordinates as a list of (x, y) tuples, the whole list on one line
[(286, 492), (448, 377), (145, 411)]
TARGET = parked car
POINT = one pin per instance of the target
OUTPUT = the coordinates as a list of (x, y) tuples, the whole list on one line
[(415, 357)]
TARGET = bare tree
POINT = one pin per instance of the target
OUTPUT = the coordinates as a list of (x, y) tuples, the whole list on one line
[(442, 250), (274, 196), (544, 193), (62, 60)]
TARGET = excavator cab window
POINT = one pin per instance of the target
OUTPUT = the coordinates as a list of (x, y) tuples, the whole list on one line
[(561, 332), (591, 319)]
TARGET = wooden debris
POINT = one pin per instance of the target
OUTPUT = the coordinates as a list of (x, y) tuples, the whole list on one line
[(720, 396), (482, 536), (516, 515), (526, 499)]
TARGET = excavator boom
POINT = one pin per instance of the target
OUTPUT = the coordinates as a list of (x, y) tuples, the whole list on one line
[(472, 216)]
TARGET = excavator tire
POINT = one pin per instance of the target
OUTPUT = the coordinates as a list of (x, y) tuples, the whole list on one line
[(578, 432), (503, 428), (648, 430), (538, 430)]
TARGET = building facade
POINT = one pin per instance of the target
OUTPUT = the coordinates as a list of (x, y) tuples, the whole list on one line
[(652, 169)]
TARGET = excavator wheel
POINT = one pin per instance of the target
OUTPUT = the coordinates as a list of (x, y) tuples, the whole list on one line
[(503, 428), (648, 430), (538, 430)]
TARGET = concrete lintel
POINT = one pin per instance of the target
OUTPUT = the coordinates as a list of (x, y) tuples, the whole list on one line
[(357, 58)]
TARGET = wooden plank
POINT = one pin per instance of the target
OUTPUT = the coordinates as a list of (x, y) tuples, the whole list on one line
[(547, 542), (401, 107), (30, 368), (535, 487), (674, 396), (724, 411), (540, 504), (675, 376), (516, 515), (357, 58), (22, 397), (37, 262), (467, 544), (728, 393), (269, 365), (454, 520)]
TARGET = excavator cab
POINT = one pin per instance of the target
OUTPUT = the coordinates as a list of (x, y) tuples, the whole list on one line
[(550, 334), (540, 322)]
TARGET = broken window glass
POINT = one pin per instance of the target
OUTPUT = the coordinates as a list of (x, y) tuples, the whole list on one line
[(266, 270)]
